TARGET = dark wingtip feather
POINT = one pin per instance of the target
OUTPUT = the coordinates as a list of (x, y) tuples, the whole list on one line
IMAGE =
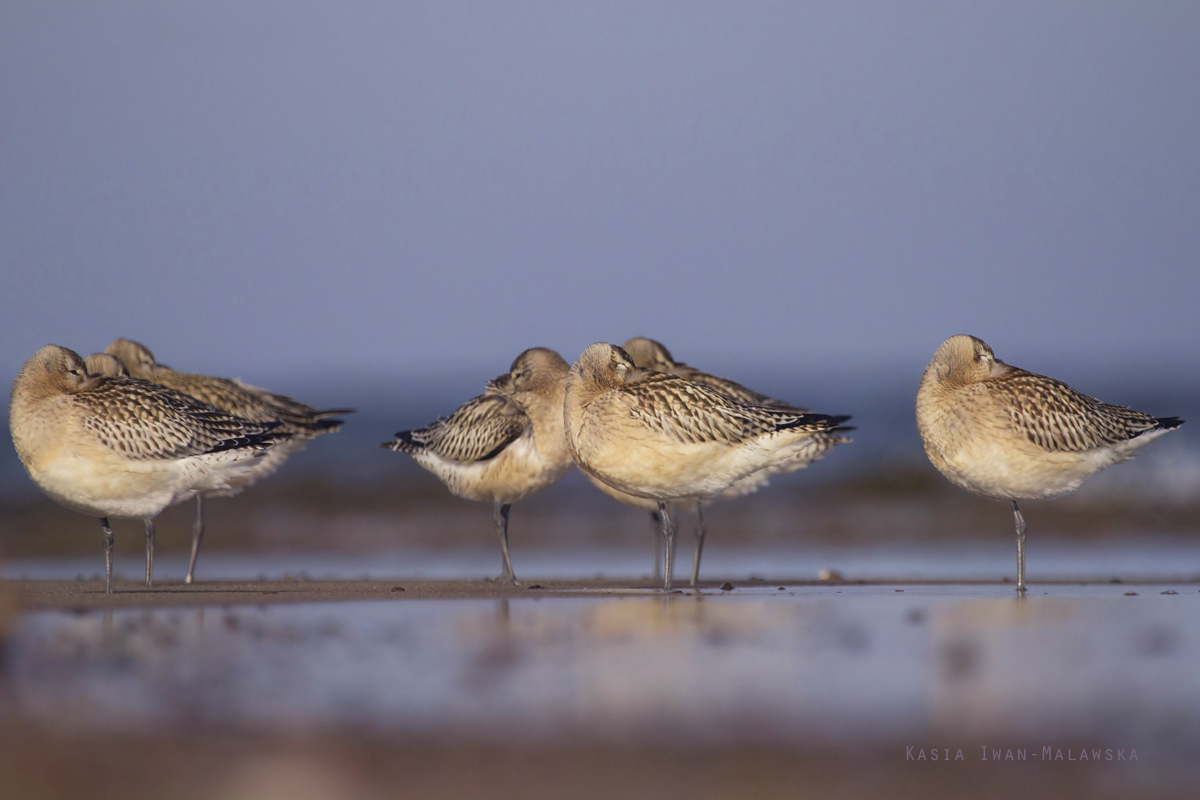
[(812, 419), (241, 442), (403, 442)]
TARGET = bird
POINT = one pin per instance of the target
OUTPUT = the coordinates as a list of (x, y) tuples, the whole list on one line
[(105, 364), (114, 446), (1007, 434), (503, 445), (663, 437), (650, 354), (300, 422)]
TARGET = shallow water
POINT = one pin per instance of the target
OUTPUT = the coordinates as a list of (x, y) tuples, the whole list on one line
[(950, 666), (1133, 558)]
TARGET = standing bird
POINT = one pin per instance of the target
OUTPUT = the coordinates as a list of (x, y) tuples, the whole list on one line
[(663, 437), (649, 354), (1008, 434), (503, 445), (298, 421), (120, 447)]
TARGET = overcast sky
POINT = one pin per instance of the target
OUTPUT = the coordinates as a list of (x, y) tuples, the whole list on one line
[(406, 187)]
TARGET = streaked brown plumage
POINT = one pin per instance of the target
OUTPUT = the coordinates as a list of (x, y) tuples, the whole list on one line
[(477, 430), (234, 396), (503, 445), (1009, 434), (692, 413), (299, 421), (122, 447), (650, 354), (663, 437)]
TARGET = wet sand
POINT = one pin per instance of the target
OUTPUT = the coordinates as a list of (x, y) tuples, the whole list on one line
[(335, 689), (47, 595), (87, 595), (219, 766)]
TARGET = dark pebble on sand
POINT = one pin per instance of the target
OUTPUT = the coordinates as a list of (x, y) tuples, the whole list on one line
[(1169, 591), (537, 586), (397, 589), (1131, 594), (726, 587)]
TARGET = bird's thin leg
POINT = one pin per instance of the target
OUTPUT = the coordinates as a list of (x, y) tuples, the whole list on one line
[(108, 547), (657, 523), (700, 531), (500, 519), (149, 552), (197, 535), (668, 532), (674, 542), (1020, 547)]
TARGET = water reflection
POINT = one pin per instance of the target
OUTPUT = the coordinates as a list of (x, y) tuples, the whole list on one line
[(851, 663), (1142, 558)]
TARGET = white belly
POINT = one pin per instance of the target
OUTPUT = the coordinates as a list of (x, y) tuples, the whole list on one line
[(519, 471), (129, 489)]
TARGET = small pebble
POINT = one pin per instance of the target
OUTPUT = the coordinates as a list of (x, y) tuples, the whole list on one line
[(1169, 591), (829, 575), (537, 586), (899, 590), (397, 589), (1131, 594), (781, 589), (726, 587)]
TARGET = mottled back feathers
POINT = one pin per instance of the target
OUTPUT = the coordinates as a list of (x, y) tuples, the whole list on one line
[(1054, 416), (692, 413), (478, 430), (233, 396), (143, 420)]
